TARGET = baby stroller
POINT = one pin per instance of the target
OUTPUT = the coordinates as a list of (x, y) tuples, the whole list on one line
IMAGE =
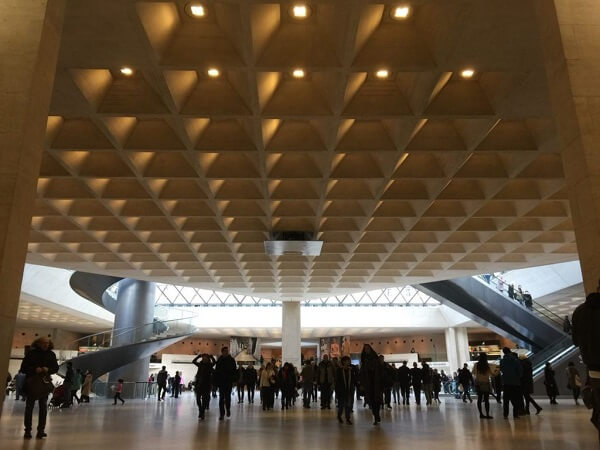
[(58, 396)]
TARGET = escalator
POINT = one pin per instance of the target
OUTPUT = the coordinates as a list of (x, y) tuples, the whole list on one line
[(537, 329)]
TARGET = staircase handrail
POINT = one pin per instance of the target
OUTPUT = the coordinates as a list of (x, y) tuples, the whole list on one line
[(124, 330)]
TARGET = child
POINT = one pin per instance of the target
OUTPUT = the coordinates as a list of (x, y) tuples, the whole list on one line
[(118, 389)]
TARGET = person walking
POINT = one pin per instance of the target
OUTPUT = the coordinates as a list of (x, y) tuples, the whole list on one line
[(416, 377), (307, 379), (240, 376), (37, 365), (371, 380), (574, 381), (326, 380), (437, 385), (482, 372), (267, 381), (511, 381), (550, 383), (176, 385), (161, 382), (527, 385), (511, 291), (388, 382), (405, 381), (586, 336), (118, 388), (345, 386), (225, 372), (288, 385), (396, 386), (465, 379), (427, 377), (250, 378), (67, 382), (86, 387), (204, 375)]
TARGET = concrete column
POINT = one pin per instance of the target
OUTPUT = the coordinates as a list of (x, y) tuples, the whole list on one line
[(450, 335), (29, 42), (457, 347), (462, 345), (290, 333), (569, 34), (135, 307)]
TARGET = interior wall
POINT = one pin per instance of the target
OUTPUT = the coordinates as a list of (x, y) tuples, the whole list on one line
[(62, 339), (194, 346)]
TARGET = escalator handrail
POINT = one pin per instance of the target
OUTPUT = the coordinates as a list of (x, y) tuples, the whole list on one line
[(548, 314)]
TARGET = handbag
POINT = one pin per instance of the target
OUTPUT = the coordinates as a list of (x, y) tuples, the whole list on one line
[(39, 386)]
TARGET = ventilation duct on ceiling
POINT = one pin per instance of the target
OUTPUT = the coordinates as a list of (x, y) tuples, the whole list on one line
[(293, 243)]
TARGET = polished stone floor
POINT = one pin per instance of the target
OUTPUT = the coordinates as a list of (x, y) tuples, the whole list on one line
[(173, 424)]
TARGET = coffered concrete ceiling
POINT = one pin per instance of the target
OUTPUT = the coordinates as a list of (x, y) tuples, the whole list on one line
[(171, 174)]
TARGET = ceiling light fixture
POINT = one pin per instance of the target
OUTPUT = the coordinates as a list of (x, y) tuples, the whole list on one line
[(300, 11), (467, 73), (213, 72), (382, 73), (197, 10), (298, 73), (127, 71), (401, 12)]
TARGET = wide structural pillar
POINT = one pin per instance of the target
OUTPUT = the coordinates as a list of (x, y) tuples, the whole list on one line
[(569, 33), (290, 333), (133, 323), (30, 33), (457, 347)]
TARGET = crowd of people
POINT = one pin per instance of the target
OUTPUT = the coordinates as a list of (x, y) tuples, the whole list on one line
[(339, 382)]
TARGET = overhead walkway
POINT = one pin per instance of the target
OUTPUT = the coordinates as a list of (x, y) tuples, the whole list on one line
[(537, 329)]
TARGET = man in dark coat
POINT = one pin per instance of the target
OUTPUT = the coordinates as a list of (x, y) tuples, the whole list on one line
[(161, 382), (39, 363), (388, 382), (203, 381), (371, 380), (325, 380), (308, 378), (416, 377), (465, 378), (511, 381), (225, 372), (586, 336), (241, 375), (250, 378), (405, 381), (345, 385)]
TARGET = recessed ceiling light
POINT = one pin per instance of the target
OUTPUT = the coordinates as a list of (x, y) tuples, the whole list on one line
[(300, 11), (127, 71), (213, 72), (467, 73), (401, 12), (197, 10), (382, 73), (298, 73)]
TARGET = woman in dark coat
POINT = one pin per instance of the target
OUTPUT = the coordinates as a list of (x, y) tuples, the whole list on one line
[(204, 377), (371, 380), (550, 383), (39, 363), (527, 384)]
